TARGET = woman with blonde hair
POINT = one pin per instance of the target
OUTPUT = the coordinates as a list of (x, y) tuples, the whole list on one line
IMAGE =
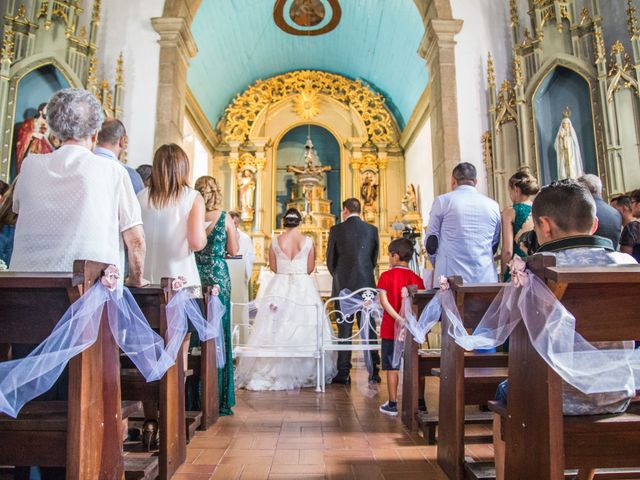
[(516, 219), (212, 265)]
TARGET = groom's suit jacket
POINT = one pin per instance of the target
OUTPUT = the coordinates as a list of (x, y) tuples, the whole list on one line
[(352, 255)]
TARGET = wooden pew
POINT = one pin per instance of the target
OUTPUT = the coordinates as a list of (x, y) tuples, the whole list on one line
[(540, 442), (169, 391), (84, 433), (419, 363), (415, 365), (207, 370), (460, 383)]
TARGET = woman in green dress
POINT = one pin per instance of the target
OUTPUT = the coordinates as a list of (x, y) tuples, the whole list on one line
[(516, 219), (222, 238)]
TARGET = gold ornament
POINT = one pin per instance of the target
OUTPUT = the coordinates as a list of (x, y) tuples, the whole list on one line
[(8, 42), (491, 73), (120, 70), (632, 21), (307, 104), (518, 78), (243, 111)]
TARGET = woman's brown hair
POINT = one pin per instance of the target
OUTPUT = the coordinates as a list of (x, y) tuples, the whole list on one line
[(527, 183), (210, 191), (169, 174), (7, 217)]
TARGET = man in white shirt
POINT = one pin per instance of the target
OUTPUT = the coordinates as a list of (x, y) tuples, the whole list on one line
[(73, 204), (464, 230)]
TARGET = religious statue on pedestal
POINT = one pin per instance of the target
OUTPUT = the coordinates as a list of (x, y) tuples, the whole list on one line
[(410, 200), (246, 190), (33, 137), (568, 149)]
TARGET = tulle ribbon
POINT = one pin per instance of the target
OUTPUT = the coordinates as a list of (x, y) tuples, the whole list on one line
[(370, 314), (183, 308), (551, 329), (26, 378)]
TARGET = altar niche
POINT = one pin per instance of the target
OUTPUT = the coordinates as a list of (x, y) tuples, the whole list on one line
[(563, 91), (290, 152), (30, 131)]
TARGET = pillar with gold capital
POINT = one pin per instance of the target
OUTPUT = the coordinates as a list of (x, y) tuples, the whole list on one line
[(355, 145), (382, 169)]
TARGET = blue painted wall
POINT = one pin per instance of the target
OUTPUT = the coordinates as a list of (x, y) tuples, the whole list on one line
[(561, 88), (239, 42), (290, 152)]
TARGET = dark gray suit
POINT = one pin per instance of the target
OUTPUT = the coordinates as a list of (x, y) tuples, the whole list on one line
[(352, 255)]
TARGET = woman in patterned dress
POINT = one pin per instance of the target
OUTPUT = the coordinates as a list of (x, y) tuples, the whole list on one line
[(221, 239), (516, 219)]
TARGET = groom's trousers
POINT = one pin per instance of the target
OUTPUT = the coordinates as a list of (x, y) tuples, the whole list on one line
[(345, 330)]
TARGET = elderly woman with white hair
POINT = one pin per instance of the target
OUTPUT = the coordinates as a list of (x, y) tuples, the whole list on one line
[(72, 204)]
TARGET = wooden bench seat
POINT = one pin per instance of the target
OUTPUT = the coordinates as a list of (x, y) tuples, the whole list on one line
[(540, 442), (89, 443)]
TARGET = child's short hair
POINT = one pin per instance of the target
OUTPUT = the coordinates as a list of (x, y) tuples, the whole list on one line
[(403, 247), (568, 203)]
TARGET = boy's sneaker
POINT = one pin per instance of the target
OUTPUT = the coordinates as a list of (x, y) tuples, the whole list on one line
[(389, 409)]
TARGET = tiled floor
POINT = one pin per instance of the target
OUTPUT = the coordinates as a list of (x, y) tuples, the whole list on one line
[(336, 435)]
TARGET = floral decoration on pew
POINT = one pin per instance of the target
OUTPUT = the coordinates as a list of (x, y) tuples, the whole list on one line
[(25, 379), (551, 329)]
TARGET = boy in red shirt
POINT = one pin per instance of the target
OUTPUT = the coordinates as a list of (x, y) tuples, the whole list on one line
[(391, 284)]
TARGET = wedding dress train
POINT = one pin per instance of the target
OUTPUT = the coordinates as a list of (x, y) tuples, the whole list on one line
[(290, 313)]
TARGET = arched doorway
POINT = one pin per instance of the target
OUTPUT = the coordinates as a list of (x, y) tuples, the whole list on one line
[(289, 152)]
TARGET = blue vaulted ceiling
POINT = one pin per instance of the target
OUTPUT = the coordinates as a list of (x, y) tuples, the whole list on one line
[(239, 42)]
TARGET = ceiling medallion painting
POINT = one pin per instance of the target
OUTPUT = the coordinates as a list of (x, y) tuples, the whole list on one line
[(307, 17), (306, 86)]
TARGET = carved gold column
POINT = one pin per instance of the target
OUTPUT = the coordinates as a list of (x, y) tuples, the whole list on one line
[(354, 145), (233, 160), (261, 162), (383, 162), (177, 47)]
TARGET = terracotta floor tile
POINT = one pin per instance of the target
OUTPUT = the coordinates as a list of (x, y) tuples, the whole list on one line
[(227, 472), (209, 457), (338, 435), (255, 472)]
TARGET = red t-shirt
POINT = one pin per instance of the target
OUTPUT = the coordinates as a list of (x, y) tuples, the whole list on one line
[(393, 281)]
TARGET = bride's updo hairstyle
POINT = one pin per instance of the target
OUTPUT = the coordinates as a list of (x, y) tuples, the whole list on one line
[(292, 218)]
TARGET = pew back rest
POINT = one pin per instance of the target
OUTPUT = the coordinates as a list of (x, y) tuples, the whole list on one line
[(473, 300), (42, 296), (604, 300)]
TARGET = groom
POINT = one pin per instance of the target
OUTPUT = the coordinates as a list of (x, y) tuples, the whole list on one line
[(352, 254)]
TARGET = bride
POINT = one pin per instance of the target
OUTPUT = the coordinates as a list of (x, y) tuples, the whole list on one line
[(288, 309)]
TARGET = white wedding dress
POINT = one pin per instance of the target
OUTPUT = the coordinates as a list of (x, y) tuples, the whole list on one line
[(287, 322)]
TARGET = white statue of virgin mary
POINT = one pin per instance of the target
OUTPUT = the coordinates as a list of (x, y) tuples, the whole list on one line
[(568, 149)]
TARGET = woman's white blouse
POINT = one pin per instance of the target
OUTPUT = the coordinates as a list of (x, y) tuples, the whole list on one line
[(168, 253), (71, 205)]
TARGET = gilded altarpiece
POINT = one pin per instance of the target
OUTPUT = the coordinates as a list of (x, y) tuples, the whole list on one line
[(41, 35), (565, 49), (371, 161)]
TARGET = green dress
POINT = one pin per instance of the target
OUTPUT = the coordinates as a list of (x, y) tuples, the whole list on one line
[(522, 210), (213, 270)]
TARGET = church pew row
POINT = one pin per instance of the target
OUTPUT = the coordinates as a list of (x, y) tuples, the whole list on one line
[(540, 442), (461, 384), (84, 433), (420, 363), (167, 393)]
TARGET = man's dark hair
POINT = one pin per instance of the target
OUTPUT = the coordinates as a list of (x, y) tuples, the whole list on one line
[(352, 205), (622, 201), (403, 247), (568, 203), (635, 196), (234, 215), (111, 132), (465, 174)]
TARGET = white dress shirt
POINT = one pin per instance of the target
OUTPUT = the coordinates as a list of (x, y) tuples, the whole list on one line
[(71, 205), (245, 248), (467, 225)]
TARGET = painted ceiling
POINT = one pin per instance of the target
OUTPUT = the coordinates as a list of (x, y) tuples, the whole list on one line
[(239, 42)]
